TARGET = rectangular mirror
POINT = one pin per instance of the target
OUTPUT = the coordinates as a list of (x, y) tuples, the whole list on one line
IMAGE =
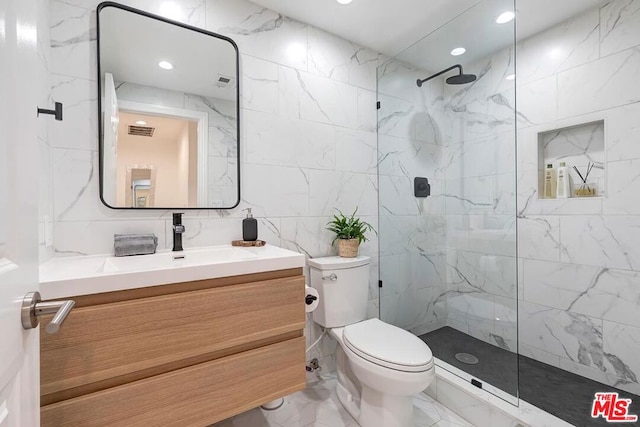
[(169, 113)]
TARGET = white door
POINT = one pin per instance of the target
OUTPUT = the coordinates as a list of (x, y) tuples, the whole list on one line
[(19, 349)]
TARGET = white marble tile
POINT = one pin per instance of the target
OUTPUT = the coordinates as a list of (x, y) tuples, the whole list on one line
[(356, 151), (308, 236), (610, 377), (486, 234), (259, 31), (562, 47), (330, 190), (539, 237), (275, 191), (288, 92), (190, 12), (73, 46), (621, 343), (599, 85), (286, 141), (483, 273), (260, 83), (537, 102), (487, 156), (395, 117), (75, 185), (620, 26), (597, 292), (96, 237), (396, 196), (606, 241), (367, 112), (463, 404), (409, 158), (623, 133), (327, 101), (539, 355), (494, 194), (79, 129), (341, 60), (573, 336), (623, 187)]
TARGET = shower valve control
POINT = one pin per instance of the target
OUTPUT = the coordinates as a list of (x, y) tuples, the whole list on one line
[(421, 187)]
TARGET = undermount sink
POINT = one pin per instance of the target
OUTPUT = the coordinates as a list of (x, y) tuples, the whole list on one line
[(190, 257), (66, 277)]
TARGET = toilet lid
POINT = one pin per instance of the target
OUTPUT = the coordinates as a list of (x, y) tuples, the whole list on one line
[(388, 345)]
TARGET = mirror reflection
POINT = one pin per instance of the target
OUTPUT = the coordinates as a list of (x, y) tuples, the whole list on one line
[(169, 115)]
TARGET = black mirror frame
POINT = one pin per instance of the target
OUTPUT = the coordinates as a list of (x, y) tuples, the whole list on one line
[(100, 113)]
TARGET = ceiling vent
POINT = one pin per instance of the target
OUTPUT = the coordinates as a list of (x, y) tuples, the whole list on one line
[(141, 131), (224, 81)]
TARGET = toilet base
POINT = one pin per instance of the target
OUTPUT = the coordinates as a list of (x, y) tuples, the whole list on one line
[(385, 410)]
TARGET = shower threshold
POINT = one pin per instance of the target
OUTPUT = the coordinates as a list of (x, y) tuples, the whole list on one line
[(566, 395)]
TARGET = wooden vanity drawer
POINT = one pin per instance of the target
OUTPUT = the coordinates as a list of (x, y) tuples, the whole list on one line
[(195, 396), (106, 345)]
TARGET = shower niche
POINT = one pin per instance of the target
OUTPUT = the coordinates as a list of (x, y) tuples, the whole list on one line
[(581, 147)]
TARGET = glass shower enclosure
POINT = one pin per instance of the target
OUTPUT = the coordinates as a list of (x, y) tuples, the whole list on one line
[(447, 196)]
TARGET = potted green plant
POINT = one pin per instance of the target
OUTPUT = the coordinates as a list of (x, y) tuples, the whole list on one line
[(350, 232)]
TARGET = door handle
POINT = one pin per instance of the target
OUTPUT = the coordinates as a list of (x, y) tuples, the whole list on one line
[(33, 307)]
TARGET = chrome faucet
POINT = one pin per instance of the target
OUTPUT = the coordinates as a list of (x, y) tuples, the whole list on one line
[(178, 229)]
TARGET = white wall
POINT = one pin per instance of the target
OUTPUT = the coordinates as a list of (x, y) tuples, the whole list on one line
[(308, 145)]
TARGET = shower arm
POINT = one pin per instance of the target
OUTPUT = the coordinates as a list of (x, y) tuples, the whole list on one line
[(458, 66)]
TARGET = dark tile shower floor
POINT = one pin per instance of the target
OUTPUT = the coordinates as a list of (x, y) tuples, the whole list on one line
[(567, 396)]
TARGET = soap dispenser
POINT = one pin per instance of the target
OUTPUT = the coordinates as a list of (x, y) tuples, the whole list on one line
[(249, 227)]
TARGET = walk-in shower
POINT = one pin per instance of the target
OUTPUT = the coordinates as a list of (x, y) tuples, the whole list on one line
[(514, 293)]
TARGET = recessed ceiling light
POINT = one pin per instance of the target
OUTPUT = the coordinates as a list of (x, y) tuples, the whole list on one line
[(166, 65), (458, 51), (505, 17), (511, 77), (141, 122), (344, 1)]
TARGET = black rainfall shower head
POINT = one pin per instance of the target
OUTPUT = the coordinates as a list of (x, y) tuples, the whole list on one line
[(460, 79)]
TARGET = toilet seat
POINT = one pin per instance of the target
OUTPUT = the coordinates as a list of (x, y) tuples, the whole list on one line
[(388, 346)]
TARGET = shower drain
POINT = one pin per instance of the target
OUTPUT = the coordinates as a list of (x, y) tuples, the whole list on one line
[(467, 358)]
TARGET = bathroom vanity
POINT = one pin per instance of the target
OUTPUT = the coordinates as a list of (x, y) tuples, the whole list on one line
[(155, 340)]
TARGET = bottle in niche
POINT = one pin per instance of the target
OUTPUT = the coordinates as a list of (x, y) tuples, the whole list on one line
[(563, 185), (550, 182), (249, 227)]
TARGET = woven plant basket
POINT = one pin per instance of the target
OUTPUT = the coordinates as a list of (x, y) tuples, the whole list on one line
[(348, 248)]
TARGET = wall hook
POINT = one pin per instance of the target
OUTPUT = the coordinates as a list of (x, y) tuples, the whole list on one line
[(57, 112)]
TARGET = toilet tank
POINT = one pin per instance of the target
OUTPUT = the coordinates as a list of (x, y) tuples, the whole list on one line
[(343, 288)]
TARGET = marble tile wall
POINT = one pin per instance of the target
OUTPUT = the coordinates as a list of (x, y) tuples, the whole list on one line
[(412, 230), (45, 160), (480, 192), (308, 141), (579, 258)]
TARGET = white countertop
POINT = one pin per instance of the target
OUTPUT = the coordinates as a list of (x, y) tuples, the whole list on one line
[(83, 275)]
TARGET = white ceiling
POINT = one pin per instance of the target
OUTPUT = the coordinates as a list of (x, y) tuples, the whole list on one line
[(392, 26)]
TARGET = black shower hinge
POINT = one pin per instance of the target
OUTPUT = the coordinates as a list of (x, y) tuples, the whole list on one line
[(379, 283), (378, 105)]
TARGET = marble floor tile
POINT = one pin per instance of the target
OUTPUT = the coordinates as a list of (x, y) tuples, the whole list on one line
[(318, 406)]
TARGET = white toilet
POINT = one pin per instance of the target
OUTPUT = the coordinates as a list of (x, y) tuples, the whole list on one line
[(380, 366)]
